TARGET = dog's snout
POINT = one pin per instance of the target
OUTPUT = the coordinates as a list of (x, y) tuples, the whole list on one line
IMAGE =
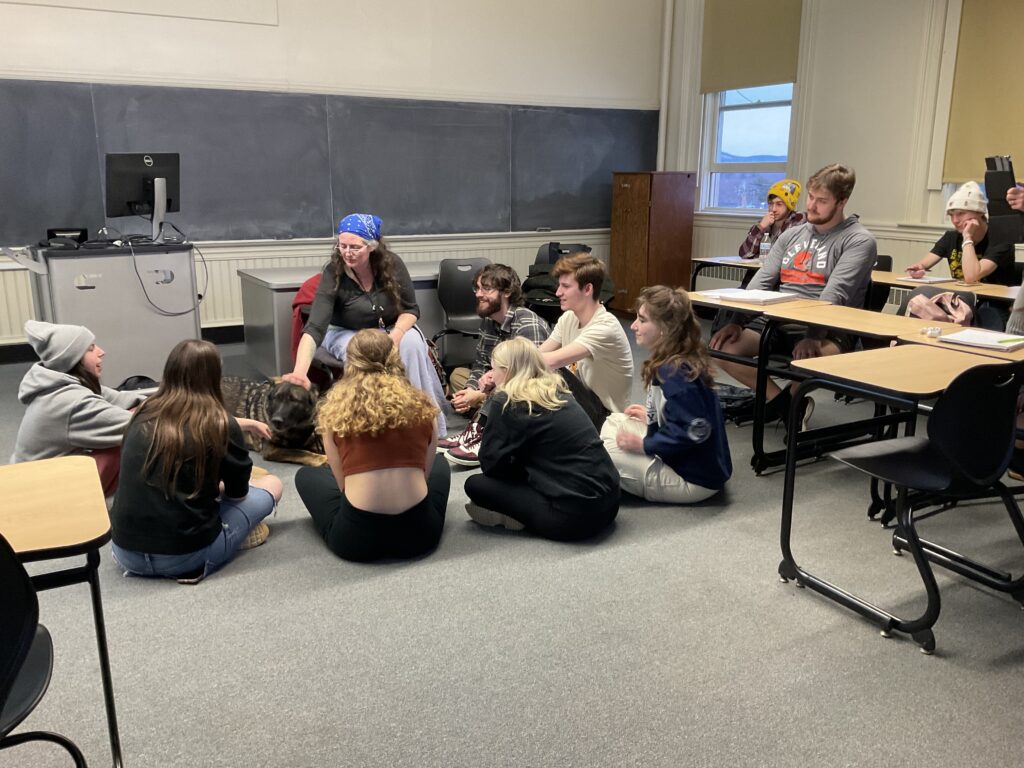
[(276, 421)]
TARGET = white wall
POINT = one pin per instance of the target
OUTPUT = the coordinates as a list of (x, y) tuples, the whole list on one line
[(558, 52)]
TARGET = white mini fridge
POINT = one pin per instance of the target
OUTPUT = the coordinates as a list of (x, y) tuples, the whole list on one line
[(139, 302)]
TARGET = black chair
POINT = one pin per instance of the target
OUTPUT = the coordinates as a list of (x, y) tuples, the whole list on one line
[(549, 253), (878, 293), (967, 450), (457, 296), (26, 656)]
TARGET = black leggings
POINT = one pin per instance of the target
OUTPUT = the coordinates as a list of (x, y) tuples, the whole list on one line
[(354, 534), (560, 520)]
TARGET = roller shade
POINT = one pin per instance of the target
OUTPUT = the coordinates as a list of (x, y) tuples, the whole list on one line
[(748, 43)]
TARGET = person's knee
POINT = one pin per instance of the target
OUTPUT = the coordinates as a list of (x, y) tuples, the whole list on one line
[(271, 484)]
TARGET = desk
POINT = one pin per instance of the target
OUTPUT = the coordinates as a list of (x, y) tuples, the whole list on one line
[(52, 509), (267, 296), (706, 262), (1016, 356), (901, 377), (990, 291)]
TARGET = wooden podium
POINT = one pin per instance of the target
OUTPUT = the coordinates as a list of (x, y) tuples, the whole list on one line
[(652, 232)]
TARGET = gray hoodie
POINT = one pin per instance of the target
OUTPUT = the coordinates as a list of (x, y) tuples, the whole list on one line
[(832, 266), (63, 417)]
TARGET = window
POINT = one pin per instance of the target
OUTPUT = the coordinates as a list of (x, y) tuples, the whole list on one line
[(746, 145)]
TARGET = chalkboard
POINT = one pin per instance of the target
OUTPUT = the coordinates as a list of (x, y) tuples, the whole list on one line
[(421, 166), (258, 165), (564, 160), (49, 167), (253, 165)]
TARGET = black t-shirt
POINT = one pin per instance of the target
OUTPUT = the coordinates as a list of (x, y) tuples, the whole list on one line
[(950, 247), (143, 519)]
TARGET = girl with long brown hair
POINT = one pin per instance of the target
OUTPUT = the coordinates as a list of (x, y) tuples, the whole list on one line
[(187, 501), (673, 448), (381, 494)]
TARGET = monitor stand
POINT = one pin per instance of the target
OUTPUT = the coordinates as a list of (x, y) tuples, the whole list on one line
[(159, 208)]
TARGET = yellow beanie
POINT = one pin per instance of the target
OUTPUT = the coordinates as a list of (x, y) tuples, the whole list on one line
[(787, 190)]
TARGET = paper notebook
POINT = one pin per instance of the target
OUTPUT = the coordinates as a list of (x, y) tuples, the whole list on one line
[(974, 337), (926, 279), (750, 296)]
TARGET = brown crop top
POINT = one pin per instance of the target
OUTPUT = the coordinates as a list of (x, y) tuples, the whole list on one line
[(404, 447)]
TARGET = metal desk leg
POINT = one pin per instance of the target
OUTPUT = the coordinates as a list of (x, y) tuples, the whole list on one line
[(93, 560), (919, 628), (758, 460)]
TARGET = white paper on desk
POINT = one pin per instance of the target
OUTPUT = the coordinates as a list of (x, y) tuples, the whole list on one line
[(974, 337), (750, 296), (926, 279)]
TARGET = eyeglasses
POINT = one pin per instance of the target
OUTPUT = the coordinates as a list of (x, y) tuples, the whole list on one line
[(343, 247)]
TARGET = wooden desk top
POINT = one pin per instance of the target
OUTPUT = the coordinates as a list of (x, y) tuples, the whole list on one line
[(53, 508), (730, 261), (1016, 356), (918, 370), (988, 290), (862, 322), (710, 300)]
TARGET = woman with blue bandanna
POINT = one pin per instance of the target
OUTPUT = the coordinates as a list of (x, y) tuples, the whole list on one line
[(365, 285)]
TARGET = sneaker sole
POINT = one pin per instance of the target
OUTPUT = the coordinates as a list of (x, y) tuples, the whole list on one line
[(492, 519), (461, 461)]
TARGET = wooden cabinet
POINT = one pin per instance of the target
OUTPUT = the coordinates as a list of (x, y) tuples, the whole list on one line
[(652, 232)]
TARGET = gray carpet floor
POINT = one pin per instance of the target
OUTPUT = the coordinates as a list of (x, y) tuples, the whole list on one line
[(668, 642)]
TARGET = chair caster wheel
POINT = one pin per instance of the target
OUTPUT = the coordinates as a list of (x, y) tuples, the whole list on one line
[(897, 552), (885, 633)]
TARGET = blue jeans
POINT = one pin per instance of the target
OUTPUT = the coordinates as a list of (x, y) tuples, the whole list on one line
[(237, 518)]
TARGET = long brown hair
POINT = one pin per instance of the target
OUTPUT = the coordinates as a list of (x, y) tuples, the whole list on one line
[(85, 377), (382, 264), (680, 341), (186, 416)]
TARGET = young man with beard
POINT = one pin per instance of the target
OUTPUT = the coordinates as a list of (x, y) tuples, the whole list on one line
[(499, 299), (829, 257)]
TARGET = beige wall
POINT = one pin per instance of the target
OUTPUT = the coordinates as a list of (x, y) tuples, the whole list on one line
[(562, 52)]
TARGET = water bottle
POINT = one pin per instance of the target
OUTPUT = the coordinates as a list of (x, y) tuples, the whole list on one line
[(766, 245)]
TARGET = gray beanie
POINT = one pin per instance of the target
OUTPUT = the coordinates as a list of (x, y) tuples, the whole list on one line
[(59, 347)]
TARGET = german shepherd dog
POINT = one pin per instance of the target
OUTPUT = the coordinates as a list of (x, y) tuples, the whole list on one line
[(288, 409)]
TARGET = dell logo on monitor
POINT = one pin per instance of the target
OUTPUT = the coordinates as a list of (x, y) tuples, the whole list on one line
[(147, 161)]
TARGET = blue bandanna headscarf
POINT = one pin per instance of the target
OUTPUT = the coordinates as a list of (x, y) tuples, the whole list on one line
[(365, 225)]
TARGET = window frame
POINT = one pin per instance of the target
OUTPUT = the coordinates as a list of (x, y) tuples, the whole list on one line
[(713, 111)]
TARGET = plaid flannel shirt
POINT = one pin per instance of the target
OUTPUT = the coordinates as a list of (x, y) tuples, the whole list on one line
[(520, 321)]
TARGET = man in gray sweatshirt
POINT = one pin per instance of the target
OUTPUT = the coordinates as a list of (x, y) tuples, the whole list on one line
[(828, 257)]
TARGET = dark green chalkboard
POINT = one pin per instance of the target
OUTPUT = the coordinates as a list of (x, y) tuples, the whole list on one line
[(257, 165)]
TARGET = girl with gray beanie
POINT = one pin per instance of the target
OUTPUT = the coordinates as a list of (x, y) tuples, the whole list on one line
[(68, 410)]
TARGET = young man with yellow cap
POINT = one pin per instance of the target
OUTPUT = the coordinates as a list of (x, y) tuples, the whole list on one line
[(781, 215)]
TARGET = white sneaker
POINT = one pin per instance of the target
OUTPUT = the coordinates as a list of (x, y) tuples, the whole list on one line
[(467, 453), (489, 517)]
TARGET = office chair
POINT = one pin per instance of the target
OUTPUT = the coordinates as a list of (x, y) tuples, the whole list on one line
[(26, 657), (457, 296), (968, 447)]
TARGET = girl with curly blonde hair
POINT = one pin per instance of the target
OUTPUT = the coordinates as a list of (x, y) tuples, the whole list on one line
[(381, 494), (544, 466), (673, 448)]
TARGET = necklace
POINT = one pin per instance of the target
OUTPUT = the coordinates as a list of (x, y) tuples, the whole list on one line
[(371, 293)]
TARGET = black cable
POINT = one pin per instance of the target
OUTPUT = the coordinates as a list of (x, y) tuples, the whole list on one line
[(145, 292)]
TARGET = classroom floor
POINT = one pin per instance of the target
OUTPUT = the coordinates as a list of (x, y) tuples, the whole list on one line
[(668, 642)]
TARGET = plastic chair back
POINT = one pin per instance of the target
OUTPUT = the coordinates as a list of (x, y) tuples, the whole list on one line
[(456, 294), (20, 609), (973, 422), (878, 293)]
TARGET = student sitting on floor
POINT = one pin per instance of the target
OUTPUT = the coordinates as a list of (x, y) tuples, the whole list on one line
[(187, 503), (587, 338), (829, 257), (69, 411), (381, 494), (969, 254), (544, 466), (674, 448)]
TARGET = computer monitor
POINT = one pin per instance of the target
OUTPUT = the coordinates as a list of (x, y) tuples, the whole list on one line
[(143, 184)]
